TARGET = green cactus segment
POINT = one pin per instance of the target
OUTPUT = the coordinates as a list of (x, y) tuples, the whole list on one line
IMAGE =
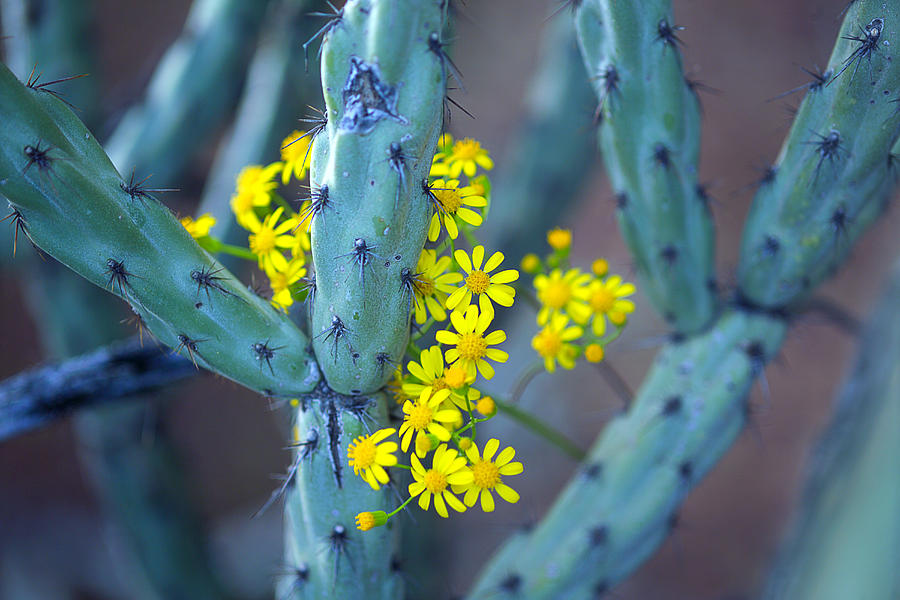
[(383, 76), (835, 170), (650, 139), (846, 541), (75, 206), (326, 556), (203, 68), (624, 501)]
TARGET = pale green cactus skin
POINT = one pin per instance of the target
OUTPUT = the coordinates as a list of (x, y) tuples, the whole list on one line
[(650, 140), (401, 82), (612, 516), (805, 220), (322, 502), (104, 223), (846, 539)]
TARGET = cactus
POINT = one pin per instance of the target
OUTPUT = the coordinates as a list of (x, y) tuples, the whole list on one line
[(847, 535), (835, 170), (383, 75), (51, 164), (649, 121), (325, 556)]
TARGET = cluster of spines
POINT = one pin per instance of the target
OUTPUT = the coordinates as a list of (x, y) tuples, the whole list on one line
[(650, 142), (384, 95)]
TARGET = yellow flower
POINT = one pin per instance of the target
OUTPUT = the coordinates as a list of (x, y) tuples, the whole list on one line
[(486, 406), (550, 342), (488, 474), (199, 228), (479, 282), (600, 267), (559, 239), (267, 237), (606, 299), (531, 264), (368, 455), (295, 152), (367, 520), (563, 293), (466, 156), (424, 416), (453, 202), (394, 387), (281, 281), (594, 353), (470, 342), (448, 468), (431, 285), (254, 190)]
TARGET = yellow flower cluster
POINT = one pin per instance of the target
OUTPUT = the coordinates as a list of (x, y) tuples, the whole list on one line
[(440, 406), (575, 306)]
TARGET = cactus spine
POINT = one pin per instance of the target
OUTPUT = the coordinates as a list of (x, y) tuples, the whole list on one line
[(650, 138), (383, 76), (118, 237)]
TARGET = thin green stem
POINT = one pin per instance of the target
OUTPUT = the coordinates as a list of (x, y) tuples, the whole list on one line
[(541, 429), (525, 378)]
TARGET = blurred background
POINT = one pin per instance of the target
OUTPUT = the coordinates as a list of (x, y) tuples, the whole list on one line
[(56, 539)]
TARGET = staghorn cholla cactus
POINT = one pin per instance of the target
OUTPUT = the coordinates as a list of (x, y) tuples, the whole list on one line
[(384, 74)]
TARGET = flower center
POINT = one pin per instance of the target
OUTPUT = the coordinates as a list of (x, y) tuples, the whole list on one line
[(439, 384), (471, 346), (435, 481), (263, 241), (361, 454), (547, 343), (486, 473), (450, 200), (466, 149), (478, 282), (602, 300), (424, 285), (557, 294), (419, 417)]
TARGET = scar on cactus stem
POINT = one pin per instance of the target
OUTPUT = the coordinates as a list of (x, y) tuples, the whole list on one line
[(867, 45), (511, 584), (189, 345), (138, 190), (770, 246), (265, 353), (367, 99), (205, 278), (335, 332), (672, 406), (118, 275), (669, 254), (334, 19)]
